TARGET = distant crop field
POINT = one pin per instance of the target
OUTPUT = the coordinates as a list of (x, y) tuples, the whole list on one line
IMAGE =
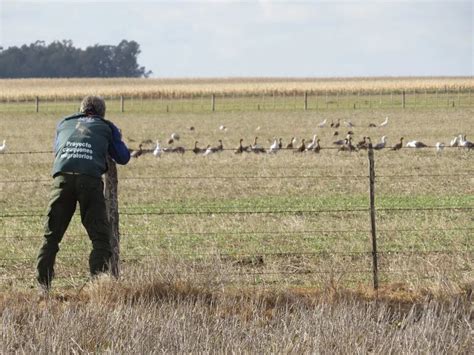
[(27, 89), (268, 219)]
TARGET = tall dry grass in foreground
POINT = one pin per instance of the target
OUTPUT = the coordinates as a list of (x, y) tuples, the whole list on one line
[(161, 310)]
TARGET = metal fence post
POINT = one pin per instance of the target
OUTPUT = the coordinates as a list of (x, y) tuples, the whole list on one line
[(372, 217), (111, 202)]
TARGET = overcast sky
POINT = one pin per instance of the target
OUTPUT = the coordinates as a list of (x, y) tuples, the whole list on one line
[(261, 38)]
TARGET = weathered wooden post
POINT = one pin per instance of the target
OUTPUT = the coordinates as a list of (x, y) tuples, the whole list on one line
[(213, 102), (372, 216), (111, 202), (305, 100), (121, 103), (37, 103), (403, 99)]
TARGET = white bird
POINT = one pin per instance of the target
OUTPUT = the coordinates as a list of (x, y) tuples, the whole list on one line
[(416, 144), (381, 145), (323, 123), (384, 123), (174, 137), (3, 147), (312, 144), (439, 147), (349, 124), (274, 147), (455, 141), (209, 150), (223, 128), (463, 142), (157, 152)]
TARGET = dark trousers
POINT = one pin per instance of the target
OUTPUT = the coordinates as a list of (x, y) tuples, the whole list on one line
[(66, 191)]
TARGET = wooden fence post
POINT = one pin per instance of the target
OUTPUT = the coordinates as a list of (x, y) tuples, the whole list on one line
[(121, 103), (213, 102), (372, 216), (37, 103), (403, 99), (111, 202), (305, 100)]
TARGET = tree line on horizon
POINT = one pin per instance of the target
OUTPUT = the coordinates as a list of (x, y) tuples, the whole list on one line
[(60, 59)]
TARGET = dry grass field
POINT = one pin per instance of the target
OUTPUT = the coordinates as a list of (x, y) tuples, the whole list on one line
[(21, 89), (257, 252)]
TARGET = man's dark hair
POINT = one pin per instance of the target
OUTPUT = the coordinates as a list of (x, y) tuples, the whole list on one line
[(93, 105)]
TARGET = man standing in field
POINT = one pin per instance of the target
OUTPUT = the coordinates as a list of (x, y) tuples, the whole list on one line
[(82, 143)]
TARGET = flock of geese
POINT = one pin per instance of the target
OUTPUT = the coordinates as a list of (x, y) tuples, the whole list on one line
[(304, 145), (310, 145)]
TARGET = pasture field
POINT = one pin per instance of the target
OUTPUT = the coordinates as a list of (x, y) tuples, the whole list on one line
[(295, 218), (255, 252)]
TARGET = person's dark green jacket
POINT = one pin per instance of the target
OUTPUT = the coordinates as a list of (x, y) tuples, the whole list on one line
[(83, 142)]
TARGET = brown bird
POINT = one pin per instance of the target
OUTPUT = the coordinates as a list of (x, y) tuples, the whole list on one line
[(398, 145), (301, 148), (362, 144), (280, 144), (197, 150), (240, 148), (317, 147), (336, 133), (337, 124), (257, 148), (137, 153), (290, 145)]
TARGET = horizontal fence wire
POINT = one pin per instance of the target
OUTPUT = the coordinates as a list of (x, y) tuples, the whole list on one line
[(232, 256), (256, 177), (276, 233), (148, 151), (241, 212)]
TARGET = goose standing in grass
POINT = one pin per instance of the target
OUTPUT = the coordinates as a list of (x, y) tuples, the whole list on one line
[(240, 149), (292, 142), (257, 148), (3, 147), (301, 148), (349, 124), (138, 152), (174, 137), (384, 123), (196, 149), (463, 142), (416, 144), (337, 124), (381, 144), (439, 147), (312, 144), (317, 147), (274, 147), (158, 151), (323, 123), (347, 146), (280, 143), (362, 144), (398, 145), (209, 150), (455, 141)]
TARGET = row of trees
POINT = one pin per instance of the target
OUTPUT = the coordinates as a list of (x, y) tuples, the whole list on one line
[(62, 59)]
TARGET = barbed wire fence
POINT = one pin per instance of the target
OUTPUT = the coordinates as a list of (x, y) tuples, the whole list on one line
[(254, 259)]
